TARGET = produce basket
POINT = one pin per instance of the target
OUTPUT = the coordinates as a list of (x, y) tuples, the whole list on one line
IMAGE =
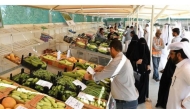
[(44, 75), (6, 87), (48, 58), (68, 39), (55, 64), (95, 103), (54, 54), (32, 83), (64, 64), (47, 51), (33, 63), (8, 81), (13, 58), (64, 88), (81, 42), (33, 99), (72, 59), (92, 47), (103, 50)]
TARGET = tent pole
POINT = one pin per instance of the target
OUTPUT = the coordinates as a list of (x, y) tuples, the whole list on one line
[(151, 32), (137, 19)]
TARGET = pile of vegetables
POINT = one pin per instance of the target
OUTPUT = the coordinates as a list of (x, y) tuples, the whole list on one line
[(44, 74), (35, 61)]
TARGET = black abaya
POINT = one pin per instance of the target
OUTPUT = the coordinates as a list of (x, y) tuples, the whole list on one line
[(132, 52), (165, 83), (143, 84), (143, 87)]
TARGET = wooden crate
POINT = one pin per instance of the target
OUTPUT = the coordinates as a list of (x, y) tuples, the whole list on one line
[(63, 66), (55, 63), (14, 83), (54, 54), (70, 60), (49, 62), (18, 62), (88, 106)]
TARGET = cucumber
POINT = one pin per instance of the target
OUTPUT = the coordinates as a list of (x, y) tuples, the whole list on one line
[(16, 97)]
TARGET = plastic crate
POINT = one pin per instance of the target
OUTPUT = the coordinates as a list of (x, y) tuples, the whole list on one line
[(30, 66)]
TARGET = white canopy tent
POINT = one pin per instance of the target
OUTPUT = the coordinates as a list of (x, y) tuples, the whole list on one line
[(151, 12), (122, 11)]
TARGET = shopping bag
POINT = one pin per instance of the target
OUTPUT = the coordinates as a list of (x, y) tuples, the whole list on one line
[(137, 76)]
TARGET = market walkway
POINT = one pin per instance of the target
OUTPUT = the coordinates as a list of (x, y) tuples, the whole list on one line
[(153, 95)]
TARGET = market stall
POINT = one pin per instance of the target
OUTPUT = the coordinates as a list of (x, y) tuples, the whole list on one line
[(45, 73)]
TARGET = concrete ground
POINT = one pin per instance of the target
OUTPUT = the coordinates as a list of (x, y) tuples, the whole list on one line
[(153, 94)]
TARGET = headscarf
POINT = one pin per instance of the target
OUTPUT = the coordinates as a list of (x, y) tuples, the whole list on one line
[(181, 45)]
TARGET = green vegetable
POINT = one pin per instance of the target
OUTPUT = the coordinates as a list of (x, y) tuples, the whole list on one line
[(44, 74), (50, 103), (22, 76), (35, 61)]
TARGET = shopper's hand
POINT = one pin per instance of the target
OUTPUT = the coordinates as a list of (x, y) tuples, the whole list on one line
[(87, 76), (139, 61), (148, 67), (98, 68)]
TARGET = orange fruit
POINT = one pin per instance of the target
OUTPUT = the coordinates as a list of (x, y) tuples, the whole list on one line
[(8, 102)]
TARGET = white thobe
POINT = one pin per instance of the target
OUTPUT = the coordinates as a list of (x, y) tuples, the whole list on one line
[(176, 39), (180, 86), (140, 34), (147, 36), (167, 37)]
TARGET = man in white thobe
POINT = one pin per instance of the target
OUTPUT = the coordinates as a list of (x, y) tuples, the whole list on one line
[(176, 35), (127, 37), (147, 34), (167, 37), (180, 86), (140, 32)]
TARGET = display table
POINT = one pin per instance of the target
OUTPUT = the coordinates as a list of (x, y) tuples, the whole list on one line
[(110, 101), (90, 56)]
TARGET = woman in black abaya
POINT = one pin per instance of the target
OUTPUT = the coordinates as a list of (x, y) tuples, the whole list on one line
[(143, 66), (132, 51)]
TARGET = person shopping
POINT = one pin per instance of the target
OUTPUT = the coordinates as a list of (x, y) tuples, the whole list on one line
[(120, 70)]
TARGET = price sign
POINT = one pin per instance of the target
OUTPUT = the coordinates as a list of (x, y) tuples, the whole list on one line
[(86, 96), (44, 83), (77, 82), (74, 103), (90, 70)]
